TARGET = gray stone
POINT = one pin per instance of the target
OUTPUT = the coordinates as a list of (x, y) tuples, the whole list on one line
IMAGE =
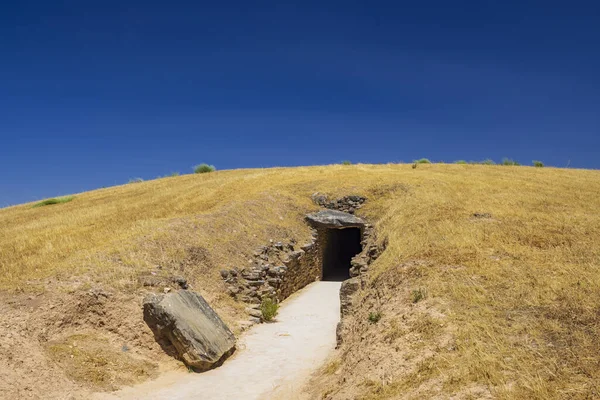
[(334, 219), (181, 281), (224, 273), (319, 199), (349, 287), (256, 283), (254, 312), (185, 320)]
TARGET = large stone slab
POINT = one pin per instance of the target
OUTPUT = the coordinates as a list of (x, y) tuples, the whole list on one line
[(334, 219), (185, 319)]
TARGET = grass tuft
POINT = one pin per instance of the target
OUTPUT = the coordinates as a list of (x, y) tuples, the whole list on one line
[(422, 161), (418, 295), (346, 162), (374, 317), (57, 200)]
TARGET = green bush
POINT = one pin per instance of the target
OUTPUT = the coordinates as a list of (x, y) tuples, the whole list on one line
[(135, 180), (204, 168), (374, 317), (508, 161), (268, 309), (538, 164), (487, 162), (57, 200), (422, 161), (346, 162), (460, 162), (173, 174)]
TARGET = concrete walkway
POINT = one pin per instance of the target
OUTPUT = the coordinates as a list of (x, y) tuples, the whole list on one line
[(270, 358)]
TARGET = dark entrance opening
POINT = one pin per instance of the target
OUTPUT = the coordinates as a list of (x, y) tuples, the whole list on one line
[(341, 246)]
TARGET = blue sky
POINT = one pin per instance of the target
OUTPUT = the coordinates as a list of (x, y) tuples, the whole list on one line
[(93, 93)]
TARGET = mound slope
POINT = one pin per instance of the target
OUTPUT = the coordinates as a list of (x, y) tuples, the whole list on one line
[(489, 285)]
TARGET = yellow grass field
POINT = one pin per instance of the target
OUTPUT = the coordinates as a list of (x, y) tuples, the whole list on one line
[(511, 300)]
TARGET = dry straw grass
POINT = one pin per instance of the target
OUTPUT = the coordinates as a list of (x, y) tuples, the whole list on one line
[(523, 295)]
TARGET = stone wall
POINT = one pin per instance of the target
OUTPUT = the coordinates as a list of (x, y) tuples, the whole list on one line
[(280, 269), (277, 271)]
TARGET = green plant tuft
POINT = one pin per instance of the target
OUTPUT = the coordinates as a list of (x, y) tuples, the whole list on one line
[(346, 162), (538, 164), (204, 168), (508, 161), (269, 309), (57, 200), (422, 161), (374, 317), (135, 180), (460, 162), (418, 295)]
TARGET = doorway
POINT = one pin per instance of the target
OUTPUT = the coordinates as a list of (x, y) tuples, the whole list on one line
[(341, 246)]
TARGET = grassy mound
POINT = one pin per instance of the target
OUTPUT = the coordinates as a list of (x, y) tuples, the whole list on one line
[(489, 286)]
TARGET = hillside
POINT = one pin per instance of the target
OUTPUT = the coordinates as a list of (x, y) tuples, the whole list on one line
[(489, 285)]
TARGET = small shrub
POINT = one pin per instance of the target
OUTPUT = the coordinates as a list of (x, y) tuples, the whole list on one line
[(460, 162), (173, 174), (538, 164), (422, 161), (135, 180), (508, 161), (204, 168), (346, 162), (268, 309), (57, 200), (487, 162), (374, 317), (418, 295)]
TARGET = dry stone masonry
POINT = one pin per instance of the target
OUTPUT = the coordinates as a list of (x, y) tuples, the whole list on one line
[(281, 268), (347, 204), (277, 271)]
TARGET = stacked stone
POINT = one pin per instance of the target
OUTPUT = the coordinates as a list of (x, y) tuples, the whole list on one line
[(347, 204), (371, 250), (276, 271)]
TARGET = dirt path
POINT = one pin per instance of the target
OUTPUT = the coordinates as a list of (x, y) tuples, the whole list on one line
[(270, 358)]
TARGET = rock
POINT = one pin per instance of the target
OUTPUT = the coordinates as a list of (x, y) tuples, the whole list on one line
[(185, 320), (254, 313), (233, 290), (224, 273), (251, 275), (482, 215), (256, 283), (319, 199), (348, 288), (334, 219), (181, 281), (339, 334)]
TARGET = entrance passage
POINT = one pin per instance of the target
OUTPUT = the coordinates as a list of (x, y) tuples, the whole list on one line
[(341, 246)]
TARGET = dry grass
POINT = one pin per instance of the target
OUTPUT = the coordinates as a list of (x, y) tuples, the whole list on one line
[(93, 362), (520, 290)]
